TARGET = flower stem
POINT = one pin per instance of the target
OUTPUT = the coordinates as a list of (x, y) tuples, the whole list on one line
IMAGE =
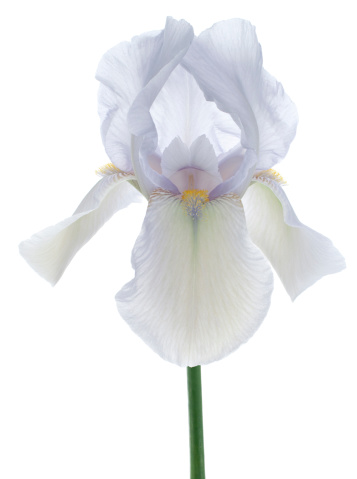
[(196, 422)]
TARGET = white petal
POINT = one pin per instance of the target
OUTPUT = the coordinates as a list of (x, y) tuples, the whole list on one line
[(230, 162), (50, 251), (226, 61), (201, 287), (131, 75), (173, 43), (121, 74), (181, 110), (299, 254), (148, 178), (200, 155), (203, 156), (175, 157), (240, 180), (160, 60), (116, 136)]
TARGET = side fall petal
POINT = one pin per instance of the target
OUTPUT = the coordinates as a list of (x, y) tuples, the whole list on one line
[(300, 255), (201, 287), (50, 251)]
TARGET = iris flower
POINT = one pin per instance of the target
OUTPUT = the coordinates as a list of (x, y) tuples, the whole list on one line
[(195, 125)]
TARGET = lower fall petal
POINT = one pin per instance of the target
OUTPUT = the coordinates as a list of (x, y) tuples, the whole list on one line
[(201, 287), (300, 255), (51, 250)]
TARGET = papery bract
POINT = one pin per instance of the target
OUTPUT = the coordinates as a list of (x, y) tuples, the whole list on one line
[(194, 124)]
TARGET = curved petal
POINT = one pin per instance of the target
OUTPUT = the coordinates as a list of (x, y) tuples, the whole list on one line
[(230, 162), (201, 287), (181, 109), (51, 250), (121, 73), (299, 254), (148, 177), (116, 136), (203, 156), (174, 43), (167, 52), (200, 156), (226, 61), (240, 180), (175, 157), (131, 75)]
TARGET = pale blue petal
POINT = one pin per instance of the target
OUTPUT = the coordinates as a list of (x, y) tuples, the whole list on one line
[(226, 61)]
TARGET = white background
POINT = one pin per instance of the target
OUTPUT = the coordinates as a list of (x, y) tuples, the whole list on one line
[(81, 395)]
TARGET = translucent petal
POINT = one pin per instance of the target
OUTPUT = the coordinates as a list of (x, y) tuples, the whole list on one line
[(116, 136), (167, 52), (240, 180), (201, 287), (175, 157), (131, 76), (181, 109), (299, 254), (148, 177), (51, 250), (226, 61), (203, 156), (230, 162), (197, 163)]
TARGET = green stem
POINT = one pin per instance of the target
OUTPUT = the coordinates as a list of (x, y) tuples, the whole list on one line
[(196, 422)]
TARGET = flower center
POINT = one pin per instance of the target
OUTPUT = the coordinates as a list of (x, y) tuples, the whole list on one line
[(194, 201)]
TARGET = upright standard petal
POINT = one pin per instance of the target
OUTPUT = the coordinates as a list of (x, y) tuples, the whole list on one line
[(226, 61), (181, 110), (197, 164), (51, 250), (131, 76), (172, 45), (241, 178), (299, 254), (201, 287)]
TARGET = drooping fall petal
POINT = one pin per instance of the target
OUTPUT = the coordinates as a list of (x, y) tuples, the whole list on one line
[(201, 287), (299, 254), (51, 250)]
